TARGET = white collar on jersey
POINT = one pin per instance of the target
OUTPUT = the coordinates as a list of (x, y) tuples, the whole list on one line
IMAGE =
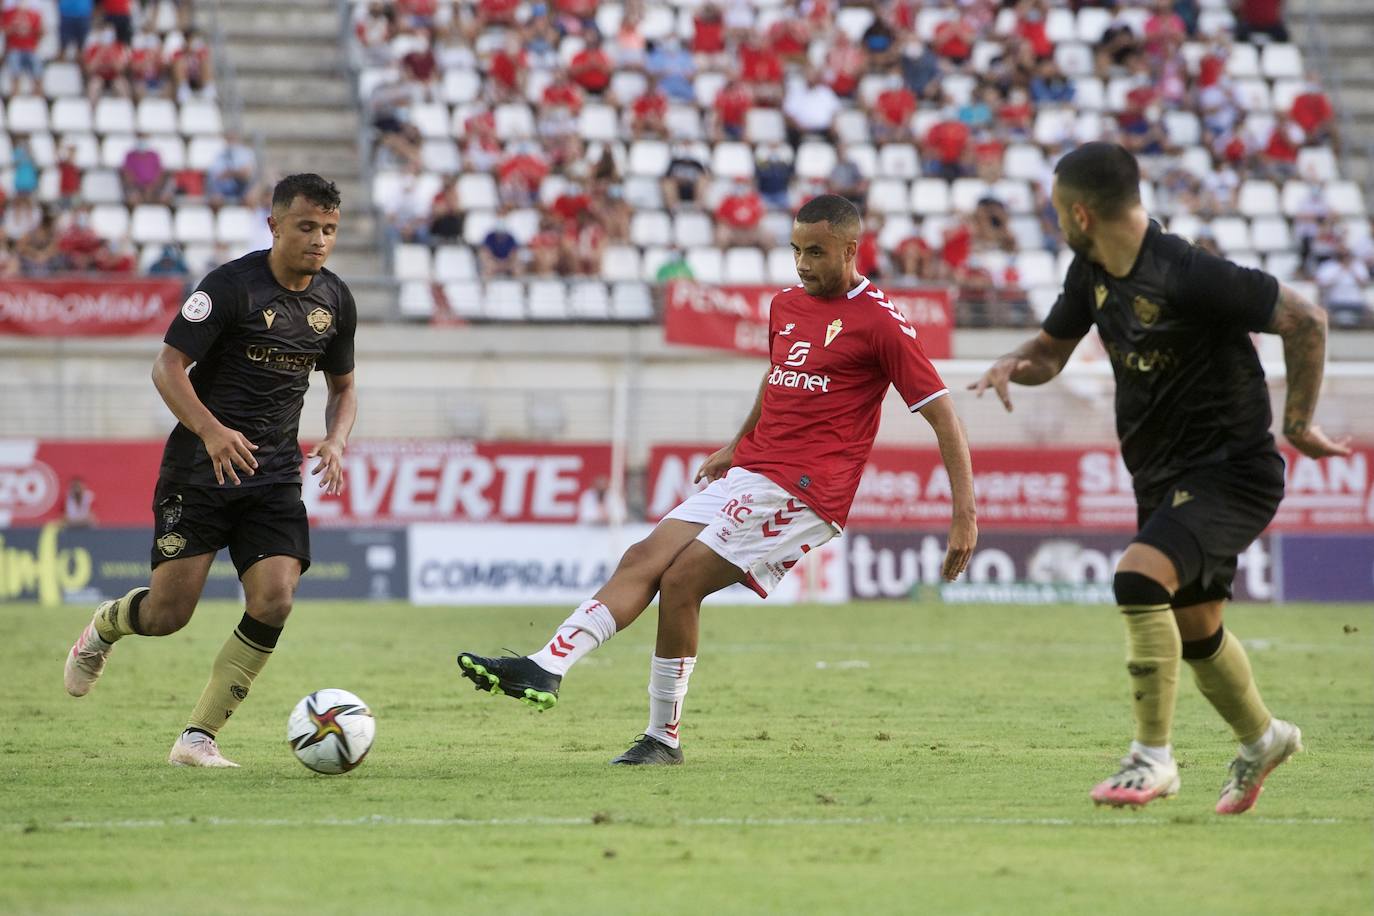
[(858, 289)]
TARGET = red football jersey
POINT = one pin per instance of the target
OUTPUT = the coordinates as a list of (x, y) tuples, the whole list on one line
[(832, 362)]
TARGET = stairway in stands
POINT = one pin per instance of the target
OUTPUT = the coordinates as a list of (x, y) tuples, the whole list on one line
[(1344, 29), (294, 81)]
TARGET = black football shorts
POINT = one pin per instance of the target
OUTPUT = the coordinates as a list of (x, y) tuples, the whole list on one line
[(1209, 516), (254, 522)]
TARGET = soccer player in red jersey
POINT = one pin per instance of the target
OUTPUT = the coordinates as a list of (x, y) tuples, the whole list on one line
[(781, 489)]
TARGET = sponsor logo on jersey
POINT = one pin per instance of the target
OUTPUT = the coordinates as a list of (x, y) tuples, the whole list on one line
[(787, 330), (197, 307), (169, 545), (1100, 292), (1143, 362), (797, 355), (833, 330), (280, 360), (319, 320), (1145, 310), (269, 316), (784, 378)]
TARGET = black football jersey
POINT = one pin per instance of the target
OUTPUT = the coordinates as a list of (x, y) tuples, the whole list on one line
[(254, 344), (1190, 391)]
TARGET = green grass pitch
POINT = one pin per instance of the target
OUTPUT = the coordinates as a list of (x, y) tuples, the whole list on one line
[(879, 758)]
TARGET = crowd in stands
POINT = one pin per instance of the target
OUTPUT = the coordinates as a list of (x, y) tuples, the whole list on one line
[(112, 154), (648, 141)]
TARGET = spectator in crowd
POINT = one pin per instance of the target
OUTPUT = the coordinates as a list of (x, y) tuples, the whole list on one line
[(507, 68), (773, 175), (120, 15), (1165, 33), (520, 174), (673, 66), (148, 72), (171, 262), (1260, 19), (374, 29), (731, 106), (591, 67), (1049, 86), (892, 111), (192, 71), (1139, 127), (954, 39), (738, 216), (575, 17), (22, 26), (1342, 281), (446, 214), (1118, 47), (499, 254), (68, 177), (685, 182), (991, 226), (847, 180), (585, 244), (106, 64), (599, 506), (76, 507), (761, 70), (493, 14), (879, 42), (788, 38), (946, 150), (738, 18), (844, 65), (408, 210), (230, 174), (916, 261), (1278, 158), (144, 179), (78, 246), (9, 260), (629, 49), (920, 67), (708, 35), (675, 267), (1313, 112), (810, 108), (420, 68), (25, 167), (649, 113), (73, 27), (481, 150), (37, 248), (546, 249)]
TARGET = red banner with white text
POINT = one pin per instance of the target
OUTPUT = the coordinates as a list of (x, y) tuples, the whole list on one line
[(1041, 488), (88, 308), (736, 317), (387, 482)]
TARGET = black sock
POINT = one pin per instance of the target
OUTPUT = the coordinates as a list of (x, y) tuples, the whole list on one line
[(1199, 649), (134, 603), (256, 631)]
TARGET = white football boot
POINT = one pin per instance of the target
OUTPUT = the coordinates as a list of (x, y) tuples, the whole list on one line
[(1139, 781), (86, 660), (1245, 780), (197, 749)]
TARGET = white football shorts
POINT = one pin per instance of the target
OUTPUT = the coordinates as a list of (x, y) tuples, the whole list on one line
[(756, 525)]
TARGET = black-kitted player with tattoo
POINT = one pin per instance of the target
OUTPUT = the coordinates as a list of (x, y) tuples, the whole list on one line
[(1192, 412), (250, 334)]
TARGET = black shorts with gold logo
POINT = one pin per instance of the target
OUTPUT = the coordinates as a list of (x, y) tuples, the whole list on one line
[(1209, 516), (253, 522)]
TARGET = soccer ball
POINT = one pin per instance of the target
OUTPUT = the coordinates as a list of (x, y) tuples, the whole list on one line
[(331, 731)]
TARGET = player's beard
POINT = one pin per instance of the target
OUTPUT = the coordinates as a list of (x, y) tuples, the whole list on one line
[(1079, 242)]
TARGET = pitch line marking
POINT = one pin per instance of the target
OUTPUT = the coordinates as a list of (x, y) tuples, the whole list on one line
[(382, 820)]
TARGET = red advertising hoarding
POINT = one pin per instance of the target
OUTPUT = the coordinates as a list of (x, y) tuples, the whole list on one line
[(735, 318), (1029, 489), (88, 308), (388, 482)]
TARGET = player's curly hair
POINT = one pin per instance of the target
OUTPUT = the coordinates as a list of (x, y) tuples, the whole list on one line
[(1104, 176), (319, 191), (838, 211)]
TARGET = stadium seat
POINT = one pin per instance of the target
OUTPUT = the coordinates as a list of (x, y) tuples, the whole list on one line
[(1270, 233), (1281, 61), (1242, 61), (1196, 159), (628, 85), (1074, 59), (412, 262), (631, 302), (964, 194), (1345, 198), (114, 148), (1053, 127), (620, 262), (1042, 299), (514, 121), (651, 228), (431, 119), (416, 300), (62, 79), (1257, 198), (201, 152), (1284, 91), (156, 116), (928, 20), (1060, 25), (930, 196), (27, 114), (171, 149), (897, 228), (477, 224), (504, 300), (1027, 232), (1232, 234), (110, 221), (462, 86), (1284, 265), (814, 160), (853, 21), (692, 229), (782, 268), (732, 160), (652, 261), (888, 195), (1035, 268), (1216, 22), (643, 193), (1089, 93), (851, 126), (683, 122), (454, 262), (464, 299), (589, 301), (1092, 22), (198, 116), (706, 85), (440, 156), (1187, 226), (898, 160), (706, 264), (1317, 163), (598, 122), (1253, 95), (234, 224), (649, 158), (101, 186), (548, 300), (477, 191), (1024, 161), (745, 266), (71, 115), (765, 125), (193, 223)]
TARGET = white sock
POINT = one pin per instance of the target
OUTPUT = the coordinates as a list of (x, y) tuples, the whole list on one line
[(586, 628), (667, 687), (1163, 754), (1253, 751)]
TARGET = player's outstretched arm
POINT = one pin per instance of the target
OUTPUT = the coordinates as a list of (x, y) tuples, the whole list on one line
[(1302, 325), (227, 448), (340, 410), (1035, 362), (963, 526), (719, 464)]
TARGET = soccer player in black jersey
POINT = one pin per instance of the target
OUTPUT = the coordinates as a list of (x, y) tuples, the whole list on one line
[(250, 334), (1192, 412)]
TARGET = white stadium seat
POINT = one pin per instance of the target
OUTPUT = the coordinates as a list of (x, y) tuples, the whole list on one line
[(1258, 198), (548, 300), (620, 262), (71, 115), (151, 223), (110, 221), (631, 302), (412, 262), (651, 228), (745, 266), (504, 300), (589, 300), (452, 263), (692, 229), (199, 116), (156, 116), (193, 223), (27, 114), (706, 264)]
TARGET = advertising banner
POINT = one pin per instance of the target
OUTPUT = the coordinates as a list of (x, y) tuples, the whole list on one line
[(1328, 567), (88, 308), (1017, 568), (1034, 489), (566, 564), (735, 318), (388, 482), (55, 565)]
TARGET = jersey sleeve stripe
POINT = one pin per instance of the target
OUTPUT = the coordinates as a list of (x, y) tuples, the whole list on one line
[(927, 399)]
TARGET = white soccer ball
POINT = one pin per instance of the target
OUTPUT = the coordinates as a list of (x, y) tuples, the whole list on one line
[(331, 731)]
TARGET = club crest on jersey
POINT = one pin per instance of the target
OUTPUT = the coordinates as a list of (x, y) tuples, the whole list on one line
[(269, 316), (1100, 291), (197, 307), (833, 330), (319, 320), (787, 330), (1145, 310), (169, 545)]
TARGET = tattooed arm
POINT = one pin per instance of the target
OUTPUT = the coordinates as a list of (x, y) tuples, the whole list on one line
[(1302, 326)]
